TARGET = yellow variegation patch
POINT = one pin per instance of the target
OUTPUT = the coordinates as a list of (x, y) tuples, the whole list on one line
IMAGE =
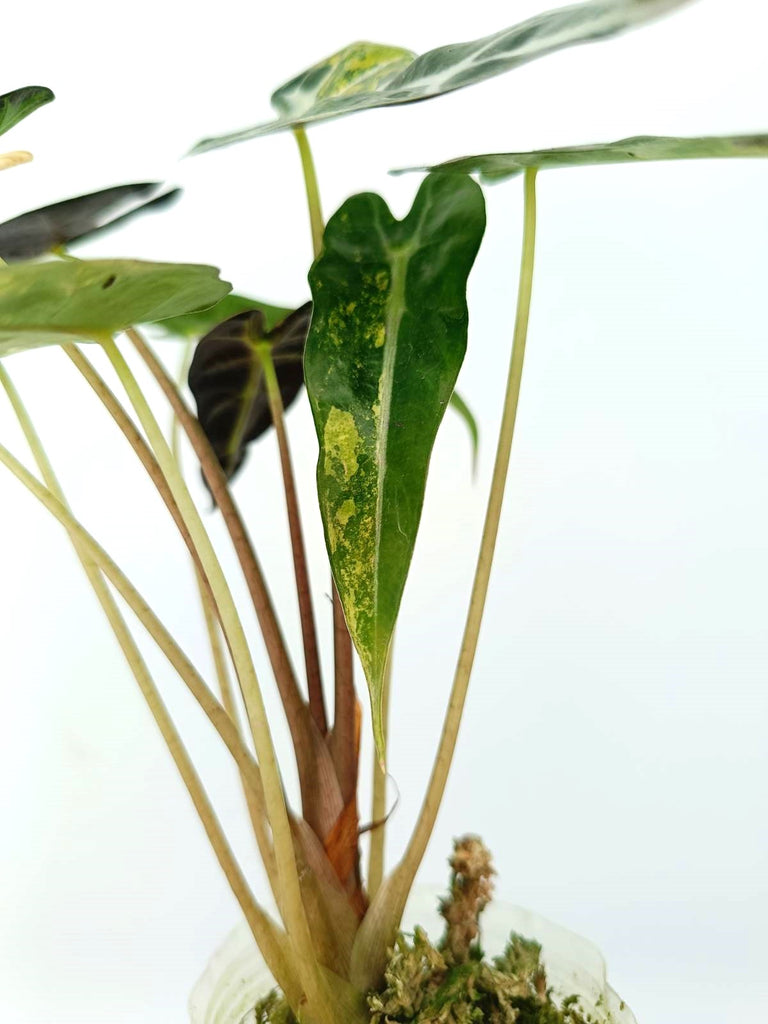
[(387, 339)]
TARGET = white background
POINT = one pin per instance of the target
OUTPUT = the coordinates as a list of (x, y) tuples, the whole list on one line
[(613, 752)]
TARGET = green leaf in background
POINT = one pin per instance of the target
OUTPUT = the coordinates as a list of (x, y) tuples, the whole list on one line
[(460, 406), (16, 105), (499, 166), (227, 379), (337, 86), (56, 302), (387, 340), (196, 324), (41, 231), (357, 70)]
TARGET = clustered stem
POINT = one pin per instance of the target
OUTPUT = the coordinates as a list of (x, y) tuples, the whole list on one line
[(95, 562), (306, 612), (277, 812)]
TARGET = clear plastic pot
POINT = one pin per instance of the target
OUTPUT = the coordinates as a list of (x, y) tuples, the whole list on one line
[(236, 976)]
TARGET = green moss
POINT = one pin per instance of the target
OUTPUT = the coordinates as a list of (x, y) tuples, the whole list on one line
[(453, 982), (273, 1009), (425, 986)]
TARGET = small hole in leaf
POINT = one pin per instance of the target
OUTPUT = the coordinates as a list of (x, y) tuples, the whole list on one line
[(110, 281)]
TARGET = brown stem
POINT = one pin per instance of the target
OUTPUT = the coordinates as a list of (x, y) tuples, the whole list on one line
[(134, 437), (318, 996), (344, 738), (214, 475), (147, 459), (141, 449), (306, 611), (226, 691), (299, 722)]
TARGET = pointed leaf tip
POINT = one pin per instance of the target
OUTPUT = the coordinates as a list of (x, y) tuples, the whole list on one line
[(16, 105), (48, 228), (460, 406), (493, 167)]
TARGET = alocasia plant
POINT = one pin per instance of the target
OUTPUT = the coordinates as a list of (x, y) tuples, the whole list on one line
[(379, 346)]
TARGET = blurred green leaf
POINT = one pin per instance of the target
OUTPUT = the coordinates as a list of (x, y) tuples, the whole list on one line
[(357, 70), (227, 379), (16, 105), (51, 303), (460, 406), (337, 86), (387, 340), (196, 324), (499, 166), (60, 224)]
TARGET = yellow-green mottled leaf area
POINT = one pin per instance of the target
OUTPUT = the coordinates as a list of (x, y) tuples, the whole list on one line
[(357, 70), (16, 105), (69, 300), (368, 75), (638, 149), (387, 340)]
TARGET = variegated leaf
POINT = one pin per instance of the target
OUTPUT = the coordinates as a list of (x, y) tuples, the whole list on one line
[(386, 343), (499, 166), (225, 377), (322, 92), (72, 300), (357, 70)]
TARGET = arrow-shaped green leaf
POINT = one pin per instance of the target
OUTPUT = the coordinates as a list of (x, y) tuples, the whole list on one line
[(73, 300), (640, 148), (16, 105), (367, 75), (388, 336)]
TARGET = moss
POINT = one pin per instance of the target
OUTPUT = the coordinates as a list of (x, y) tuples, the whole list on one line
[(453, 982), (273, 1009), (425, 986)]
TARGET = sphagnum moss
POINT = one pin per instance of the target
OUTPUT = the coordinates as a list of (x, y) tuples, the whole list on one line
[(453, 982)]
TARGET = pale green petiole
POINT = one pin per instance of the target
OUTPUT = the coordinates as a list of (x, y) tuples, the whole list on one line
[(94, 562), (378, 929), (291, 903), (313, 192)]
